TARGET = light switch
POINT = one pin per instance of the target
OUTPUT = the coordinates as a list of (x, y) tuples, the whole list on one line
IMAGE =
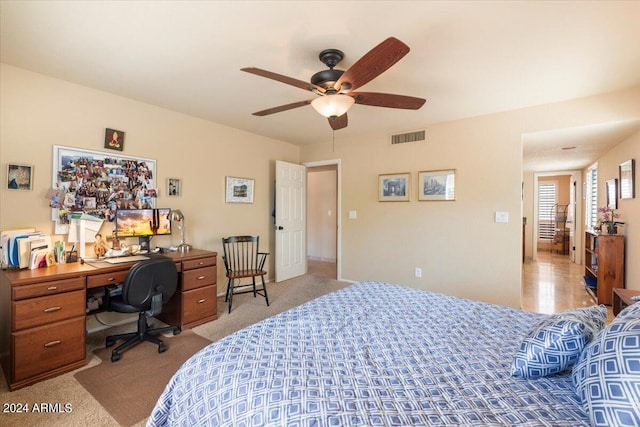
[(353, 214), (502, 216)]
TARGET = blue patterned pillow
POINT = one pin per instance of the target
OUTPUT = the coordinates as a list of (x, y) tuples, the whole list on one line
[(555, 342), (607, 375)]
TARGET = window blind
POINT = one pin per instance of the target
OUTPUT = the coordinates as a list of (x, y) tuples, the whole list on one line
[(547, 196), (591, 197)]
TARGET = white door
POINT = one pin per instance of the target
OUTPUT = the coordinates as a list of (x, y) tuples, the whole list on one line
[(291, 189)]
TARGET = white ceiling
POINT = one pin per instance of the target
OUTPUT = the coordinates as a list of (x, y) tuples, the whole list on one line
[(467, 58)]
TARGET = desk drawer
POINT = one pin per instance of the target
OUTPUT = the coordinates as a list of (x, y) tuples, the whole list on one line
[(199, 304), (48, 288), (40, 311), (198, 263), (193, 279), (106, 278), (43, 349)]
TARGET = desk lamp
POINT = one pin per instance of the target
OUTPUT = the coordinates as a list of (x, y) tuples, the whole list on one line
[(177, 216)]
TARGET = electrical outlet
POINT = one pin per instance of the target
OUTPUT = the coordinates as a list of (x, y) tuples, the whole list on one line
[(418, 272)]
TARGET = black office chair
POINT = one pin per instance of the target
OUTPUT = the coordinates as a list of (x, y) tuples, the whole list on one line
[(148, 285), (242, 259)]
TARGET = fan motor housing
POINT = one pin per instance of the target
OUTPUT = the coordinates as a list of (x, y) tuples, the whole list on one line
[(327, 78)]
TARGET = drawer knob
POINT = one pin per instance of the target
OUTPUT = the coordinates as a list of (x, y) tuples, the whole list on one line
[(200, 301), (52, 309), (52, 343), (201, 263), (111, 279), (200, 277), (52, 288)]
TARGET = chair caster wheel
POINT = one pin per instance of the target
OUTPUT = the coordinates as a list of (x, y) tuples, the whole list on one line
[(162, 348), (115, 357), (110, 342), (177, 331)]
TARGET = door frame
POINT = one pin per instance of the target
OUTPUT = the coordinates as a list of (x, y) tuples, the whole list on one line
[(577, 175), (338, 165)]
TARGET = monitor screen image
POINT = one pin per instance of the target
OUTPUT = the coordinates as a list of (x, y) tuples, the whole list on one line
[(142, 222)]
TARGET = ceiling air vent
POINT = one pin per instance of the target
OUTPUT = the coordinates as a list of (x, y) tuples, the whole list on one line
[(415, 136)]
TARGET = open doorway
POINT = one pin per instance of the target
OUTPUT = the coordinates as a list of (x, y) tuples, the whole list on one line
[(323, 219), (556, 222)]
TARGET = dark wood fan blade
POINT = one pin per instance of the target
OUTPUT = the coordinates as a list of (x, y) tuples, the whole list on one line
[(337, 123), (282, 108), (372, 64), (284, 79), (388, 100)]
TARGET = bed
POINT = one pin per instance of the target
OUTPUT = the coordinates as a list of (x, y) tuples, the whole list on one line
[(371, 354)]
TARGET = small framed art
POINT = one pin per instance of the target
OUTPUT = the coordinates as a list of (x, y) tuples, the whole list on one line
[(239, 190), (114, 139), (627, 178), (612, 193), (437, 185), (394, 187), (19, 177), (174, 187)]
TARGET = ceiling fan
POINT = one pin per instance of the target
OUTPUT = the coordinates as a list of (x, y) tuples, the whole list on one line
[(335, 87)]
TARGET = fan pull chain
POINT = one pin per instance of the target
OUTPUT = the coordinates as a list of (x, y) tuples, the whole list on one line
[(333, 137)]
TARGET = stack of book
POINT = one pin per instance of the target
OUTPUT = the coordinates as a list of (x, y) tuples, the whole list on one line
[(28, 248)]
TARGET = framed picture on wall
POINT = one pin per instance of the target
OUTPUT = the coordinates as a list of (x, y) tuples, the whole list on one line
[(114, 139), (394, 187), (437, 185), (612, 193), (627, 178), (174, 187), (239, 190), (19, 177)]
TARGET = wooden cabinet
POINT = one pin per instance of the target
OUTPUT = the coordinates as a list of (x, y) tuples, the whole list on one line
[(43, 311), (603, 265), (195, 302), (44, 333)]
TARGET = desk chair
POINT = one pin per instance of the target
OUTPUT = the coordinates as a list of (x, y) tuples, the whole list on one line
[(242, 259), (148, 285)]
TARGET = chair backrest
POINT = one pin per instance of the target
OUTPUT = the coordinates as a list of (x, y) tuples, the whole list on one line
[(148, 278), (240, 253)]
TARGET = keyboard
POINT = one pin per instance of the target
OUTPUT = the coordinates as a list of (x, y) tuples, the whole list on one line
[(123, 259)]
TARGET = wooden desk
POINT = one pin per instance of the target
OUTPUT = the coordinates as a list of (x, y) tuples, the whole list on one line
[(622, 298), (43, 311)]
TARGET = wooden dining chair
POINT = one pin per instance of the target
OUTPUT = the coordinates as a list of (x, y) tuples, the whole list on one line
[(243, 259)]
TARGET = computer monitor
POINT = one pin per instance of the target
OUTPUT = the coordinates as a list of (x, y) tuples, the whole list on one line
[(143, 223)]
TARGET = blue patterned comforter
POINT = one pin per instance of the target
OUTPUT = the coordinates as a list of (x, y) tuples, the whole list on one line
[(370, 354)]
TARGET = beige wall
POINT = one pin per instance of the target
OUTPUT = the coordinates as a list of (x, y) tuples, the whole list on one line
[(459, 247), (629, 209), (39, 112)]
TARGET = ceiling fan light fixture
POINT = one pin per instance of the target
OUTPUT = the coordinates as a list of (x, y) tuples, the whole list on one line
[(333, 105)]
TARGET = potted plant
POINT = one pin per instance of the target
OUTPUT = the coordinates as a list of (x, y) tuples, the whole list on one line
[(607, 221)]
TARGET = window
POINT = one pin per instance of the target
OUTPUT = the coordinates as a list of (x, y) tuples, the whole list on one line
[(591, 197), (547, 196)]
